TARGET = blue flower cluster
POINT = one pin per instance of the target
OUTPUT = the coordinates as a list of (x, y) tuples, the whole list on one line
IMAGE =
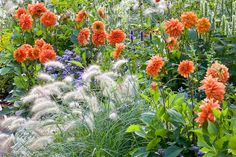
[(70, 68)]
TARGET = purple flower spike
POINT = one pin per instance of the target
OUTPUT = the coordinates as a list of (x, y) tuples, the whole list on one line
[(141, 36), (150, 36)]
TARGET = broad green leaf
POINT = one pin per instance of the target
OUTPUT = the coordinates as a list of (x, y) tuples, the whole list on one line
[(151, 145), (133, 128), (232, 143), (161, 132), (147, 117), (175, 117), (212, 129), (77, 63), (5, 70), (145, 97), (140, 152), (173, 151)]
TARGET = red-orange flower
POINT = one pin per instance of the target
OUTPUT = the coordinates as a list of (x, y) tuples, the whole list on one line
[(83, 36), (186, 68), (154, 66), (20, 54), (26, 47), (189, 19), (101, 12), (39, 43), (47, 46), (47, 55), (207, 107), (19, 12), (80, 16), (48, 19), (98, 26), (171, 43), (99, 38), (33, 54), (36, 9), (218, 71), (116, 36), (26, 22), (213, 89), (174, 28), (117, 52), (203, 25)]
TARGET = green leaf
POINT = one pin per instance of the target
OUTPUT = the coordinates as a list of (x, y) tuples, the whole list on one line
[(5, 70), (145, 97), (232, 143), (175, 117), (212, 129), (147, 117), (133, 128), (173, 151), (140, 152), (151, 145), (161, 132), (77, 63)]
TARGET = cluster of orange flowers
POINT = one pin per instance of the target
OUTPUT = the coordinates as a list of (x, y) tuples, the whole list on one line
[(174, 28), (42, 52), (99, 37), (214, 86), (37, 10)]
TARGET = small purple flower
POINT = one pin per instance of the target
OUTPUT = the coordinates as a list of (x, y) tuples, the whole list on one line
[(68, 53), (142, 36)]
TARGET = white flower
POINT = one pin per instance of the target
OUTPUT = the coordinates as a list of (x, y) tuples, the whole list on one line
[(54, 64), (44, 76)]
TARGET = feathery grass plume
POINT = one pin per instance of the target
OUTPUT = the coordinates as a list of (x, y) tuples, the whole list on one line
[(45, 77), (31, 124), (54, 64), (41, 142), (16, 124), (45, 112), (68, 79), (3, 136), (107, 84), (89, 120), (114, 116), (119, 63), (93, 103), (7, 121), (37, 107), (90, 72), (6, 145), (79, 94), (40, 91), (74, 105), (29, 98)]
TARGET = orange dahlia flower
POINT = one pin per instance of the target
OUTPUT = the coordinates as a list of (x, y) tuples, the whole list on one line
[(116, 36), (80, 16), (218, 71), (20, 55), (203, 25), (36, 9), (207, 107), (117, 52), (26, 22), (48, 19), (19, 12), (189, 19), (33, 54), (98, 26), (47, 46), (83, 36), (99, 38), (47, 55), (39, 43), (186, 68), (154, 66), (213, 89), (171, 43), (174, 28), (101, 12)]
